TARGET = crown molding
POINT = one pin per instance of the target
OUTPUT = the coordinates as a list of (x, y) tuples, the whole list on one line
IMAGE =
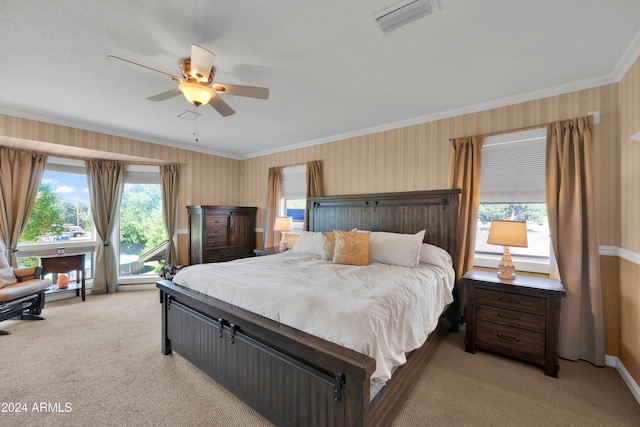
[(628, 58)]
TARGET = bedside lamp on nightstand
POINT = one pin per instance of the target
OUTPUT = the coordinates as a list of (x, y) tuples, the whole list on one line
[(283, 223), (507, 233)]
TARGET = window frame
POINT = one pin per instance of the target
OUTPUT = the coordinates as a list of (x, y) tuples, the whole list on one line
[(294, 187), (528, 263), (37, 249), (137, 174)]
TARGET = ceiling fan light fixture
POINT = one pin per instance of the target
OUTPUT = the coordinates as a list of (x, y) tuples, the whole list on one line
[(196, 93)]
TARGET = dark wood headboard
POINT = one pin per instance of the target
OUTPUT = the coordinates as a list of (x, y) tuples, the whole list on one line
[(435, 211)]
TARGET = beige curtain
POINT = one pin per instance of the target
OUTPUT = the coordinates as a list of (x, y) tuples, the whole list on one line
[(106, 182), (275, 194), (571, 210), (314, 185), (169, 176), (466, 164), (20, 175)]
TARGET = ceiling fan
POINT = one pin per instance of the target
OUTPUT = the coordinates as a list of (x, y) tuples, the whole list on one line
[(196, 82)]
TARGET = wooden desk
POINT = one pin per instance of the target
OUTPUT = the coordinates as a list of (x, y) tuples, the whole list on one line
[(63, 264)]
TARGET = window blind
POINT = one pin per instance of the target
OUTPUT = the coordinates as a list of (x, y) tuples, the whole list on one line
[(513, 167), (142, 174), (294, 182)]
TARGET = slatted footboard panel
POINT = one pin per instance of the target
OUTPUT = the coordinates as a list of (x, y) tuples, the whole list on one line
[(284, 390)]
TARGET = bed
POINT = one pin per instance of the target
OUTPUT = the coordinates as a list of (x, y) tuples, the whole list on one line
[(293, 377)]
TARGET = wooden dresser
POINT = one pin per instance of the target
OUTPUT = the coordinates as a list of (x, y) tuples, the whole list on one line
[(517, 318), (221, 233)]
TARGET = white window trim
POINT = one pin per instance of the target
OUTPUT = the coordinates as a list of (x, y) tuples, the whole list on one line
[(528, 264), (137, 174), (73, 166), (299, 174), (522, 263)]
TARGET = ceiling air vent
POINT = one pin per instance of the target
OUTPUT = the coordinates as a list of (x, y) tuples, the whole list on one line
[(403, 13)]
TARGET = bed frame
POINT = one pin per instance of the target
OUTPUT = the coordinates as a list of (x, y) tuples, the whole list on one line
[(293, 378)]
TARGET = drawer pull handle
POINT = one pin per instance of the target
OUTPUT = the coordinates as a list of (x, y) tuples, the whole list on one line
[(508, 338), (509, 300), (508, 317)]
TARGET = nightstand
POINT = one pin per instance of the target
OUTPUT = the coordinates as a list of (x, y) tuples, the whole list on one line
[(517, 318), (267, 251)]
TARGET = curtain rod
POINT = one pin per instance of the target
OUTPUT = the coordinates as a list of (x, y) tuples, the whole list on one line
[(502, 132), (592, 120)]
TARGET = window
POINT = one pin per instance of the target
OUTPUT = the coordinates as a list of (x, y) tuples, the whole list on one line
[(294, 194), (61, 215), (143, 239), (513, 186)]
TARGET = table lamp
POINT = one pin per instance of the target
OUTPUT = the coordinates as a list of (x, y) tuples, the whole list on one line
[(507, 233), (283, 223)]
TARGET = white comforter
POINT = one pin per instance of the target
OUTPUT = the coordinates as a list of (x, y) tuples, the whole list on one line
[(380, 310)]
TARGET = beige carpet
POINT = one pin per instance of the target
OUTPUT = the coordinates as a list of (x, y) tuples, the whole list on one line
[(98, 363)]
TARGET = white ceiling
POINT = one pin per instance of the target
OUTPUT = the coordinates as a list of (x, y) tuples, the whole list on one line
[(330, 73)]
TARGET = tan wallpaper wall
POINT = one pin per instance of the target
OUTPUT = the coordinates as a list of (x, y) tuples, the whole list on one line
[(205, 179), (630, 158), (629, 89), (610, 279), (629, 348), (417, 157)]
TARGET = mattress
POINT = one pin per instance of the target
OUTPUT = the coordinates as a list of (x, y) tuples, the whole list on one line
[(381, 310)]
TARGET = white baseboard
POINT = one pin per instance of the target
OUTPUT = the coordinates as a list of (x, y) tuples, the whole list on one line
[(614, 362)]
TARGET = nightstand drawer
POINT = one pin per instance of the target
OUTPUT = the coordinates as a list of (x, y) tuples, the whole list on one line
[(507, 317), (512, 301), (501, 337)]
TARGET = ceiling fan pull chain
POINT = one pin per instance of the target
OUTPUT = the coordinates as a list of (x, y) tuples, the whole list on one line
[(195, 122)]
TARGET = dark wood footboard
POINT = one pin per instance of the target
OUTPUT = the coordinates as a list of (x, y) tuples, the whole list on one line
[(288, 376)]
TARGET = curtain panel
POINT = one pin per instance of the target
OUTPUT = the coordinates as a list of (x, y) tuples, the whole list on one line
[(169, 179), (20, 176), (314, 186), (274, 190), (572, 224), (106, 182), (465, 172)]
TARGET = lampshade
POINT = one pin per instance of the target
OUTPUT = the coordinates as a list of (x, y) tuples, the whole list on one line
[(283, 223), (196, 93), (508, 233)]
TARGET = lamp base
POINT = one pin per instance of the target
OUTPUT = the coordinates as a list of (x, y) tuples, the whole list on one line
[(506, 269), (506, 276), (283, 243)]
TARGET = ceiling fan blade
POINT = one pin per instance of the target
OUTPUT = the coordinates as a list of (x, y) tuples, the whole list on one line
[(165, 95), (221, 107), (201, 63), (239, 90), (135, 64)]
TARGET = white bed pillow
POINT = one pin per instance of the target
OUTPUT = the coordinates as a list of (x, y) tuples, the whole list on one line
[(395, 248), (434, 255), (309, 242)]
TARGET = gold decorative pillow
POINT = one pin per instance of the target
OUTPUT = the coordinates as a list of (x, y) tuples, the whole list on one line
[(351, 248), (329, 245)]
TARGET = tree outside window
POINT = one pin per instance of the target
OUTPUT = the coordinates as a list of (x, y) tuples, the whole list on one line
[(54, 218)]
